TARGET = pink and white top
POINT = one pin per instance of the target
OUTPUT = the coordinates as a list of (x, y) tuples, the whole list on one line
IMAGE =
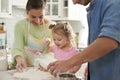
[(64, 54)]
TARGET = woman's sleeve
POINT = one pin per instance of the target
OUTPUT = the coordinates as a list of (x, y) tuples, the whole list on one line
[(19, 41)]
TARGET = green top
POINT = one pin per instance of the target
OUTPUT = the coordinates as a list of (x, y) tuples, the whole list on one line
[(21, 35)]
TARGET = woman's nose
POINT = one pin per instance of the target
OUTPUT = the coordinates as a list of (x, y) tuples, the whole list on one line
[(37, 20)]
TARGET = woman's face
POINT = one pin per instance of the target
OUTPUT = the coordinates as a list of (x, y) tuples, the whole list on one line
[(36, 16), (82, 2)]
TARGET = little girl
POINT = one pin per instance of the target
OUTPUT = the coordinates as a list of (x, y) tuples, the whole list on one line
[(65, 46), (63, 37)]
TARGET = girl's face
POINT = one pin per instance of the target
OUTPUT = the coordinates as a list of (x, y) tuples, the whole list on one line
[(36, 16), (82, 2), (60, 40)]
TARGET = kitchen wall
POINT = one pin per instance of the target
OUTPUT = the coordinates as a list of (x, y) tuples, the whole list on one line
[(19, 13)]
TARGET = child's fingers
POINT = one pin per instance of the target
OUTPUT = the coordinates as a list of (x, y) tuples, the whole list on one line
[(41, 68)]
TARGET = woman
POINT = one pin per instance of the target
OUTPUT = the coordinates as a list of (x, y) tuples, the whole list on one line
[(30, 33)]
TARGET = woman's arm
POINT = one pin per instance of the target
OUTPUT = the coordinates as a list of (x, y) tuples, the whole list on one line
[(19, 40)]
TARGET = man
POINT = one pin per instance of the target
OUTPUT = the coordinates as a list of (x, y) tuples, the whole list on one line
[(103, 52)]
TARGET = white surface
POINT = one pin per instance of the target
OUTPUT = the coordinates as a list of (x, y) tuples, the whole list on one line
[(3, 64), (3, 61), (44, 60), (2, 35), (34, 74), (28, 74), (80, 72), (4, 75)]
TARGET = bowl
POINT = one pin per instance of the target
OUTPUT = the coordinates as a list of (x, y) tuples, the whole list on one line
[(67, 76)]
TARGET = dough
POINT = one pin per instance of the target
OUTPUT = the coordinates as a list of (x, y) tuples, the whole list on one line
[(34, 74)]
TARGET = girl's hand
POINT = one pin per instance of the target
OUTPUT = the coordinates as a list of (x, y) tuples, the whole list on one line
[(41, 68), (21, 64), (47, 44), (47, 41)]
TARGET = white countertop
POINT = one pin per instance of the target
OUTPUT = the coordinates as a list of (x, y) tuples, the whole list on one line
[(13, 75), (8, 75)]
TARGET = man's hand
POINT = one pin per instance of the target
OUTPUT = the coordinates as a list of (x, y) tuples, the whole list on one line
[(60, 66), (74, 69)]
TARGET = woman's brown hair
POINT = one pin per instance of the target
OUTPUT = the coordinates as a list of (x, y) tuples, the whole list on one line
[(35, 4)]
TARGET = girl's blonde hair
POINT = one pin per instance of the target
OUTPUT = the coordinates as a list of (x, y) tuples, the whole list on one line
[(65, 29)]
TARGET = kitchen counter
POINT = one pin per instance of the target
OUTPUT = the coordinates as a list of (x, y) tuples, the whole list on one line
[(11, 75), (33, 75), (6, 75)]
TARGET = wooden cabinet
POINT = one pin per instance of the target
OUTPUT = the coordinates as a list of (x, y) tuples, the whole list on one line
[(5, 8)]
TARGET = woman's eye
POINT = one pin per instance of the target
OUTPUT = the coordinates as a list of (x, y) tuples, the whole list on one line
[(59, 39), (33, 17)]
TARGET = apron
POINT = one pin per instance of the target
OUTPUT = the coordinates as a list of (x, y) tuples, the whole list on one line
[(34, 46)]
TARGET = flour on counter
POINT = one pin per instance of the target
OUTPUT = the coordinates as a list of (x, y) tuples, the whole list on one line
[(34, 74)]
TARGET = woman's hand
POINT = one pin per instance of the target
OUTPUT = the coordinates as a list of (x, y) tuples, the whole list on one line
[(21, 63)]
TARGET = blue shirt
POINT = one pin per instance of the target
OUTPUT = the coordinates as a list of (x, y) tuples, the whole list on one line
[(104, 20)]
